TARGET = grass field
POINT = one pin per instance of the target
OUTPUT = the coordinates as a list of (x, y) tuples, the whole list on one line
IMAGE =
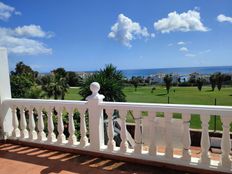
[(177, 95)]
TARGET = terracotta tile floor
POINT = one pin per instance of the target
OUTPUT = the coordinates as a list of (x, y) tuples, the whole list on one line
[(16, 159)]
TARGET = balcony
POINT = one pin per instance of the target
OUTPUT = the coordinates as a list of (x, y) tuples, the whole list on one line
[(158, 141)]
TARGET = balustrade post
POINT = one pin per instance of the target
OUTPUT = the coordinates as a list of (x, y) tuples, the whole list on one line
[(168, 135), (15, 123), (123, 134), (60, 127), (138, 134), (51, 135), (186, 137), (72, 139), (84, 139), (40, 125), (226, 142), (32, 132), (152, 133), (111, 142), (205, 144), (23, 123), (6, 126), (96, 131)]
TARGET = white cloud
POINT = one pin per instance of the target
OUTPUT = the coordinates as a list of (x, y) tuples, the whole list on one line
[(183, 49), (32, 31), (125, 30), (6, 11), (190, 55), (181, 43), (187, 21), (223, 18), (21, 44)]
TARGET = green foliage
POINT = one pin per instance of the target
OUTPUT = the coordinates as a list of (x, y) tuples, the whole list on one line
[(168, 82), (55, 84), (111, 81), (23, 82), (73, 79), (213, 81), (199, 83)]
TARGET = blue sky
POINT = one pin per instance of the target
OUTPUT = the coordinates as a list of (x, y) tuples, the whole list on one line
[(131, 34)]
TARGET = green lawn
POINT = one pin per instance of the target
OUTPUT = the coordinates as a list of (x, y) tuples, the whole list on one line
[(178, 95)]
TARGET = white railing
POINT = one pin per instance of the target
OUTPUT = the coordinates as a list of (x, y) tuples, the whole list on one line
[(156, 138), (151, 132)]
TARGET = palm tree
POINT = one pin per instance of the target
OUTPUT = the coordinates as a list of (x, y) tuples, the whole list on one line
[(111, 81), (168, 82)]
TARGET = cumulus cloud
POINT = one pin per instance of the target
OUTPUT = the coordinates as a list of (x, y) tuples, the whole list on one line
[(125, 30), (183, 49), (187, 21), (32, 31), (181, 43), (7, 11), (223, 18), (21, 43)]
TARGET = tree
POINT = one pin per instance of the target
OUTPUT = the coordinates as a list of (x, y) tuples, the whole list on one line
[(23, 82), (73, 79), (199, 83), (213, 81), (111, 81), (135, 82), (219, 79), (55, 84), (168, 82)]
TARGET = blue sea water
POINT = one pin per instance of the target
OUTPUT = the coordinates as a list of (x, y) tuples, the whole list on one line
[(180, 71)]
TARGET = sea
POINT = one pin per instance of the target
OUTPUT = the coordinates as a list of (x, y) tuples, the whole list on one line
[(180, 71)]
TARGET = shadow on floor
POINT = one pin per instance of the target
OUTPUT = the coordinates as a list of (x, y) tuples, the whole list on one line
[(36, 160)]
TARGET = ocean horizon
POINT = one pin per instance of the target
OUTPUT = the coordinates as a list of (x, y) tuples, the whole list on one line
[(180, 70)]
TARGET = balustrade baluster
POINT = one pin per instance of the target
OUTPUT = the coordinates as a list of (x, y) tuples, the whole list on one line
[(152, 132), (124, 144), (226, 142), (60, 127), (51, 135), (186, 137), (138, 134), (205, 144), (23, 123), (72, 139), (84, 139), (111, 142), (168, 136), (32, 132), (15, 123), (40, 125)]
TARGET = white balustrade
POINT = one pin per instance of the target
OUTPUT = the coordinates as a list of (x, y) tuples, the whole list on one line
[(161, 130), (23, 123), (32, 132), (124, 144), (84, 139), (72, 139), (15, 123), (60, 127), (51, 135), (40, 125), (110, 131), (205, 144)]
